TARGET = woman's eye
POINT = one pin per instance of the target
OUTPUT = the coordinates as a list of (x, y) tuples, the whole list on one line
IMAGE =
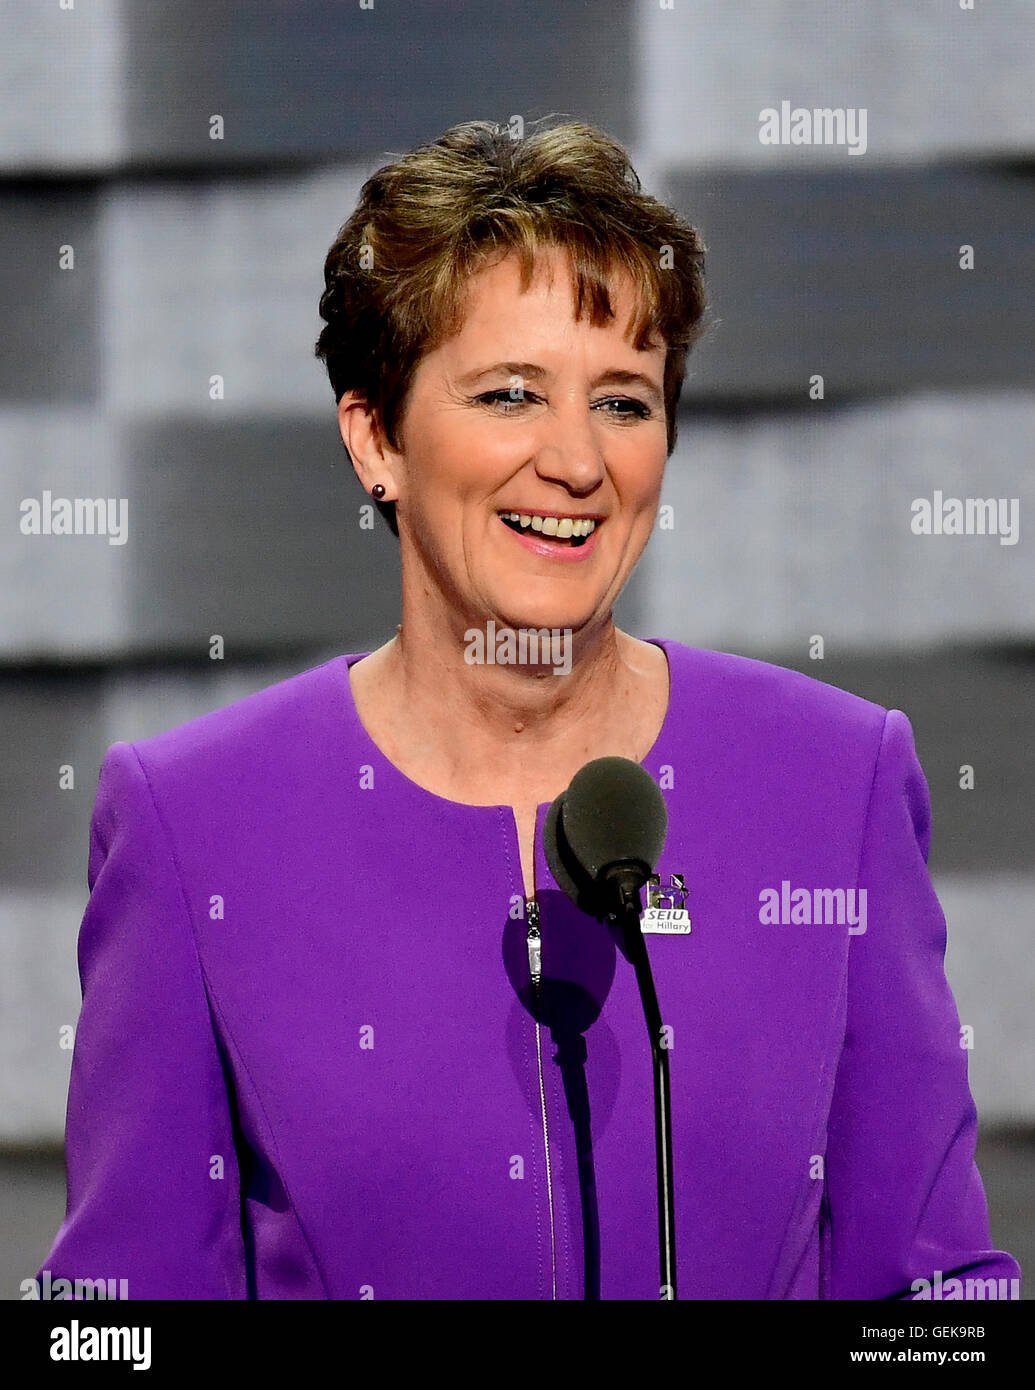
[(504, 398), (637, 409)]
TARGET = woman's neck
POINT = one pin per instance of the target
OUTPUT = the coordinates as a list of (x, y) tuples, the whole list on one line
[(495, 731)]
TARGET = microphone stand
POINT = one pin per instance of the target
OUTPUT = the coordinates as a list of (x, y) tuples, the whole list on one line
[(626, 881)]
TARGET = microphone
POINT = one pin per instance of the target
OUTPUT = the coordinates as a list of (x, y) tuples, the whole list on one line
[(603, 838), (604, 835)]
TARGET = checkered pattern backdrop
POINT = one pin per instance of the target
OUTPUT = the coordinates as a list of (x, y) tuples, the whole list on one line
[(195, 257)]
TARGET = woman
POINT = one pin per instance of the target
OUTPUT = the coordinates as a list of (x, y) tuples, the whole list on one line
[(311, 1062)]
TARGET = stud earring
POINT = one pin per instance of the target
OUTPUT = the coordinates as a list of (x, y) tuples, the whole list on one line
[(378, 491)]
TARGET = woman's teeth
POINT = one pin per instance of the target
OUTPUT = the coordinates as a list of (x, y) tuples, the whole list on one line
[(575, 530)]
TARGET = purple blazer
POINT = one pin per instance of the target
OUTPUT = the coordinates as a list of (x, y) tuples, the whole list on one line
[(309, 1065)]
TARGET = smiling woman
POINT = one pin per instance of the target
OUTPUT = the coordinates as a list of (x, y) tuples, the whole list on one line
[(398, 271), (343, 1025), (491, 486), (530, 357)]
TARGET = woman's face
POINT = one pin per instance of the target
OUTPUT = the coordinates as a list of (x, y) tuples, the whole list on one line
[(527, 410)]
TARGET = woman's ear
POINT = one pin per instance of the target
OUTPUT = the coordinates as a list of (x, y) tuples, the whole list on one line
[(363, 437)]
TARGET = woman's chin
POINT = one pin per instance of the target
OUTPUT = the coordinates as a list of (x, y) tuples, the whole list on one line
[(554, 620)]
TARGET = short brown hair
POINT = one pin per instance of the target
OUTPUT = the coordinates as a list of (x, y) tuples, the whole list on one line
[(396, 273)]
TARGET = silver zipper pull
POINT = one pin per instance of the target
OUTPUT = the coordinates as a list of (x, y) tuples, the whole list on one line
[(535, 941)]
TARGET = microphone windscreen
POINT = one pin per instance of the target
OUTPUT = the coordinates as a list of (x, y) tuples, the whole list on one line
[(612, 811), (566, 872)]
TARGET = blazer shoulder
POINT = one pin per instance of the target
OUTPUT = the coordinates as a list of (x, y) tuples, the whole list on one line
[(748, 691), (280, 720)]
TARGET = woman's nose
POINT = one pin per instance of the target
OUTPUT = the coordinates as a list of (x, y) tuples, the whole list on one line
[(570, 448)]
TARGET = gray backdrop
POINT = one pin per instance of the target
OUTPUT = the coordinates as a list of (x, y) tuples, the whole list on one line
[(791, 515)]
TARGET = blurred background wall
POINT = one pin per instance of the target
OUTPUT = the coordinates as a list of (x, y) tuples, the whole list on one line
[(139, 257)]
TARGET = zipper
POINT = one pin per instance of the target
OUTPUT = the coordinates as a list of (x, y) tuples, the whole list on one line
[(535, 966)]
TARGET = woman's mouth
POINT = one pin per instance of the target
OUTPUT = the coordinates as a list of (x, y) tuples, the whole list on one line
[(569, 531)]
